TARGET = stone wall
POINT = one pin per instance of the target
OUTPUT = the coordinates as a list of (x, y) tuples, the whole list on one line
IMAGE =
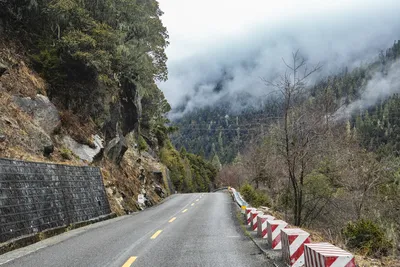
[(38, 196)]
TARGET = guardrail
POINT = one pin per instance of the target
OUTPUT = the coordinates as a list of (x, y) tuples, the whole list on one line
[(238, 198), (294, 243)]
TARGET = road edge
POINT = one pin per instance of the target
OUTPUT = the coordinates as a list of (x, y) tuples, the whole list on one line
[(266, 253), (27, 240)]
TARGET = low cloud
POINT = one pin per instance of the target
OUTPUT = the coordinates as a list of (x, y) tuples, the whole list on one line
[(234, 65), (381, 86)]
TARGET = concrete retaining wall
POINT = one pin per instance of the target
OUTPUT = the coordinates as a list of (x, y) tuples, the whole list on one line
[(39, 196)]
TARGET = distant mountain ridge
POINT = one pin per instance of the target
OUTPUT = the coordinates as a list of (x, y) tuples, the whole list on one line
[(225, 128)]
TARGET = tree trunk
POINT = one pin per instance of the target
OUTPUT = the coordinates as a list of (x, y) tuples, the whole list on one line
[(300, 207)]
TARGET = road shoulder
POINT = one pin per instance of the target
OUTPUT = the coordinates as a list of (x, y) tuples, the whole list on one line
[(66, 234)]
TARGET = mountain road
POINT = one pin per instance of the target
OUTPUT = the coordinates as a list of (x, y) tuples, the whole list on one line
[(199, 229)]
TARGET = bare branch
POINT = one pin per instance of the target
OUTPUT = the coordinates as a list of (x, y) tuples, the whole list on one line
[(287, 65)]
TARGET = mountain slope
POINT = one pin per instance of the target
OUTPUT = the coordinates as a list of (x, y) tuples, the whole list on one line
[(226, 129), (78, 86)]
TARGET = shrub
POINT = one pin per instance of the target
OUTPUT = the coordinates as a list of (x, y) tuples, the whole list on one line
[(367, 237), (66, 153), (142, 145), (261, 200), (254, 197), (248, 193)]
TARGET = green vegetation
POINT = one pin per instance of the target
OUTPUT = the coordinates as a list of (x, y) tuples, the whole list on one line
[(256, 198), (142, 145), (219, 137), (66, 153), (367, 237), (101, 58), (378, 127), (188, 172)]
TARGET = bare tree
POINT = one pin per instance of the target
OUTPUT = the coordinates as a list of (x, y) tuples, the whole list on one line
[(255, 160), (231, 175), (301, 127)]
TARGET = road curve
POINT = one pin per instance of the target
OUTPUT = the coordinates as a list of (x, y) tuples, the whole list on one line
[(186, 230)]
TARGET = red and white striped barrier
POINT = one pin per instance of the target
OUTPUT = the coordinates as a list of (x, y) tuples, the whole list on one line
[(274, 233), (327, 255), (293, 241), (262, 225), (254, 214), (248, 217)]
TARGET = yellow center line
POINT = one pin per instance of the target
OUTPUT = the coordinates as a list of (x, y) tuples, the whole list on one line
[(185, 210), (173, 219), (156, 234), (192, 204), (129, 262)]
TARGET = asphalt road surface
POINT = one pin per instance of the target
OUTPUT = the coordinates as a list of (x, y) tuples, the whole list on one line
[(186, 230)]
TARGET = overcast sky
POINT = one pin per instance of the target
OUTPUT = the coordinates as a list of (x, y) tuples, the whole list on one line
[(237, 42)]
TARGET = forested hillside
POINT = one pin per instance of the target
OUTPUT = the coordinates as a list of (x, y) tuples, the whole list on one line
[(225, 129), (323, 155), (99, 62), (220, 133)]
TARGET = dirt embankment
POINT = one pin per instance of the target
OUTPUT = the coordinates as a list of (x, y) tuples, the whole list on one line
[(34, 129)]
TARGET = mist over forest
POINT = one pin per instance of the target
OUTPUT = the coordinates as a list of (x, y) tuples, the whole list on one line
[(231, 67)]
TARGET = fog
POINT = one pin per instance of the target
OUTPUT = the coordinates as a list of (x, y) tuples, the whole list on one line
[(216, 57), (381, 86)]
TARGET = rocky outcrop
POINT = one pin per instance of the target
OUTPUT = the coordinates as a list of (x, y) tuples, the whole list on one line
[(116, 149), (44, 113), (124, 114), (26, 134), (131, 109), (38, 139), (84, 152)]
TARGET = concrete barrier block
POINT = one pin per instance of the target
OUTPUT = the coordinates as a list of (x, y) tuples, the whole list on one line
[(248, 215), (253, 223), (262, 230), (293, 241), (274, 233), (327, 255)]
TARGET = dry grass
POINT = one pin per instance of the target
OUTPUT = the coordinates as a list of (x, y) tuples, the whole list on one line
[(80, 131), (370, 262), (19, 79), (15, 125)]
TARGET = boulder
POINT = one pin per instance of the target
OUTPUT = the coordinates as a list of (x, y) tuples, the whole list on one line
[(44, 113), (84, 152), (116, 149), (28, 135), (38, 139)]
